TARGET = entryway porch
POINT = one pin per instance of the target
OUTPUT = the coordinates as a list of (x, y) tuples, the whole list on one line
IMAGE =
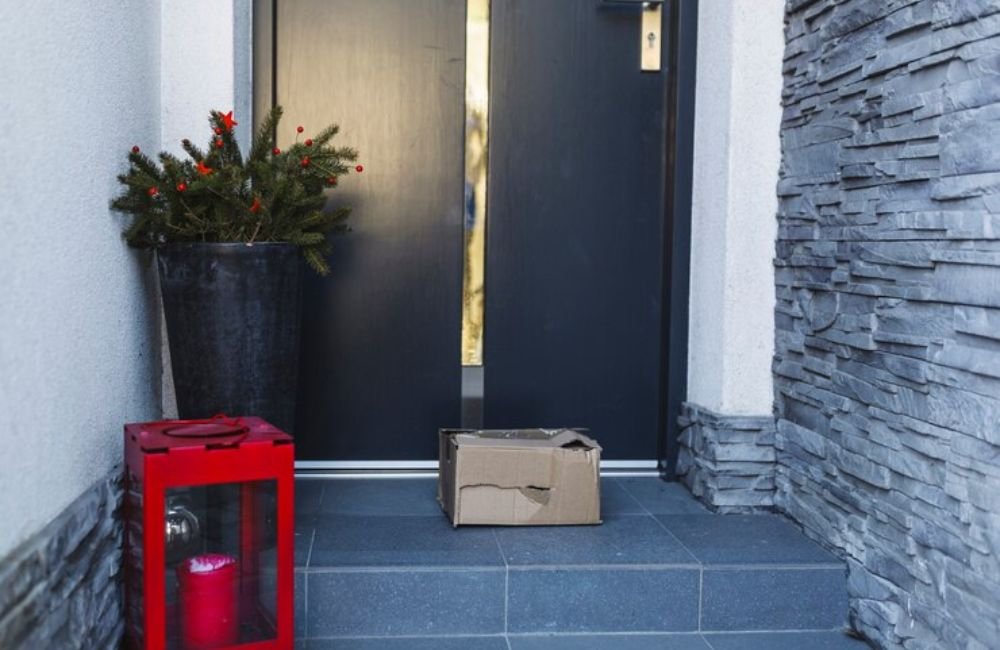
[(379, 566)]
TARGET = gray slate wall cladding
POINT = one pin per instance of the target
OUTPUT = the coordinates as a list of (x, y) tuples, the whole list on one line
[(727, 461), (887, 362), (60, 589)]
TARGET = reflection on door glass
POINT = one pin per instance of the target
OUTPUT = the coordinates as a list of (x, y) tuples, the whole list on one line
[(477, 56)]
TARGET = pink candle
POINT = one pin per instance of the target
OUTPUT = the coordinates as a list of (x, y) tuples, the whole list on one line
[(208, 601)]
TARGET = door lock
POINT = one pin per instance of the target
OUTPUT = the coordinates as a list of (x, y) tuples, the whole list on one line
[(649, 36), (652, 20)]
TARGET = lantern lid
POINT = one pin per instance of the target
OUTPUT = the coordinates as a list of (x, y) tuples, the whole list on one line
[(211, 433)]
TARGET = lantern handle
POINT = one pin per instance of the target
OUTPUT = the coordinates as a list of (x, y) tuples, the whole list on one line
[(218, 426)]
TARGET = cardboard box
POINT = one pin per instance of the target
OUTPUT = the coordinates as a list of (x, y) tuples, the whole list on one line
[(523, 477)]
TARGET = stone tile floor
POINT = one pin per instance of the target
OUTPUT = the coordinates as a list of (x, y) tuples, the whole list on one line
[(379, 567)]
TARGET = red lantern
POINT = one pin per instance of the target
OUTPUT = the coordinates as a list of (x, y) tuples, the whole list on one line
[(208, 535)]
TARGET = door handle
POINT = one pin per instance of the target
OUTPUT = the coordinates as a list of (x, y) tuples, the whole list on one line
[(650, 35)]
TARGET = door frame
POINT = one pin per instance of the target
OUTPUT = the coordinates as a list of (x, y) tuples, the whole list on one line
[(679, 149), (681, 51)]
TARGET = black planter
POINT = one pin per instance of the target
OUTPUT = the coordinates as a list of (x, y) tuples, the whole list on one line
[(232, 314)]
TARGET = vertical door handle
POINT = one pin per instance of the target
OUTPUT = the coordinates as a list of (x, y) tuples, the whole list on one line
[(651, 32)]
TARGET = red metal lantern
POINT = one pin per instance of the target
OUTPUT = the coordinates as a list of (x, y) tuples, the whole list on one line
[(209, 529)]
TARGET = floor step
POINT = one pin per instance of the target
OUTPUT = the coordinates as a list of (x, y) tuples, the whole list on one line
[(379, 566)]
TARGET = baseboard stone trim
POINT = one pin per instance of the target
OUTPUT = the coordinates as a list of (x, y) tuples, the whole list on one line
[(727, 461), (61, 588)]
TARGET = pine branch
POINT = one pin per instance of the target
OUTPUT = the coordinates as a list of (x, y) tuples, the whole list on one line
[(266, 197), (264, 139)]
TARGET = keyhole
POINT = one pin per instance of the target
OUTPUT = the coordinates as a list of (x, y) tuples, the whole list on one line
[(651, 37)]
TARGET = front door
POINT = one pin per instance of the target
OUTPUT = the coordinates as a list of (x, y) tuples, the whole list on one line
[(573, 300)]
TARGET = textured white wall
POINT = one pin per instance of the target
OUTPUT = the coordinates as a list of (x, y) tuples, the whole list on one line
[(197, 73), (79, 85), (736, 159)]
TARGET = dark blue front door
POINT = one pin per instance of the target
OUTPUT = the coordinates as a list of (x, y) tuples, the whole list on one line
[(573, 282)]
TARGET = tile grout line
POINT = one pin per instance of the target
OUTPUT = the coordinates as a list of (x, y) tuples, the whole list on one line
[(634, 498), (506, 586), (707, 642), (309, 553), (305, 573), (701, 595), (677, 539)]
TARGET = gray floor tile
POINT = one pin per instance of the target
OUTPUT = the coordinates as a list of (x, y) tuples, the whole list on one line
[(773, 599), (615, 499), (401, 541), (308, 494), (304, 527), (412, 643), (602, 600), (394, 603), (619, 540), (300, 604), (661, 497), (382, 497), (745, 539), (609, 642), (785, 641)]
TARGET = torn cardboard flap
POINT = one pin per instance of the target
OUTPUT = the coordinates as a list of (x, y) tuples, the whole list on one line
[(527, 438), (519, 477)]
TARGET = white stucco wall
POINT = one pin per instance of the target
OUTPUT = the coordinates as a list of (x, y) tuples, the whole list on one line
[(79, 85), (736, 159), (197, 70), (200, 71)]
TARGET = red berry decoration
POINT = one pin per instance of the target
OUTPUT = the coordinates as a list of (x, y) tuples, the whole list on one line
[(219, 143), (359, 168), (255, 206), (152, 191), (309, 142), (181, 186), (135, 149), (331, 181), (299, 129), (305, 161), (218, 131), (276, 151)]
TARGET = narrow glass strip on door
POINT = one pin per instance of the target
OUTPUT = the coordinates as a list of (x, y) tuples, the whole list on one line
[(477, 65)]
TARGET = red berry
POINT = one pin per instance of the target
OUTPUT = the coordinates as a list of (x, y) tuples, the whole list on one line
[(276, 151), (181, 187), (331, 181), (219, 143), (135, 149), (218, 131), (299, 129), (305, 161), (359, 168), (309, 142), (152, 191)]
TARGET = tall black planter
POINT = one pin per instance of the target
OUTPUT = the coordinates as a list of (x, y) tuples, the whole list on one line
[(232, 314)]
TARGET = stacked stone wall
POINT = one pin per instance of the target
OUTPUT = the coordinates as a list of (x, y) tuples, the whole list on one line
[(727, 461), (61, 589), (887, 364)]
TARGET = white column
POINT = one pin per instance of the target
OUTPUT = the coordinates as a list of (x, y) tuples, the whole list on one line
[(736, 159)]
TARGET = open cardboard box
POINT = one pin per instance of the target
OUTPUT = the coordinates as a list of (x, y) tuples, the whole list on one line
[(521, 477)]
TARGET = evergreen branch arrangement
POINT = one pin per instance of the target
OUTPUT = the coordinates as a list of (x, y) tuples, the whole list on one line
[(218, 196)]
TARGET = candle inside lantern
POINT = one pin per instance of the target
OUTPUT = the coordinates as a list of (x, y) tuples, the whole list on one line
[(208, 601)]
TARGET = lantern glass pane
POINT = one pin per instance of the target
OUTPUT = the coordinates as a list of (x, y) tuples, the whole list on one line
[(221, 564)]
